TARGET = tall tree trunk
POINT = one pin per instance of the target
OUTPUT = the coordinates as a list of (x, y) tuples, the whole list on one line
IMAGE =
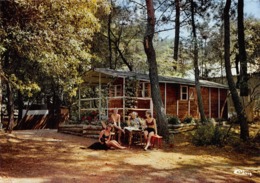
[(130, 67), (196, 65), (10, 108), (153, 72), (242, 50), (244, 134), (20, 106), (177, 33), (1, 91), (109, 38)]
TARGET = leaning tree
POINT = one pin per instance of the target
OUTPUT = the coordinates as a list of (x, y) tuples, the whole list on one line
[(153, 71)]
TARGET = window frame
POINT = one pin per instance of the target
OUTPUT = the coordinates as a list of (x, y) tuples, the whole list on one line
[(144, 90), (116, 90), (182, 93)]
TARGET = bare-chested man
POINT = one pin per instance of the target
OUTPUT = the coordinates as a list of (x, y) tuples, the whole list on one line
[(115, 119)]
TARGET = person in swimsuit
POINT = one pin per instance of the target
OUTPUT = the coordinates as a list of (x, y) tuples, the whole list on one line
[(105, 136), (115, 120), (150, 130)]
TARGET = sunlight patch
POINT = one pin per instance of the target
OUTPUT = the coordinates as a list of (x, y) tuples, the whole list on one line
[(155, 160), (106, 169), (14, 140), (53, 140), (25, 180), (161, 174), (93, 154)]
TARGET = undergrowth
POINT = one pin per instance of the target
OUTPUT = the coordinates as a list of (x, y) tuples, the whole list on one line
[(209, 134)]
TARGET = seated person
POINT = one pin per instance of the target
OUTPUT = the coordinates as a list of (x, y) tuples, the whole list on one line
[(115, 121), (105, 141), (150, 130), (133, 120)]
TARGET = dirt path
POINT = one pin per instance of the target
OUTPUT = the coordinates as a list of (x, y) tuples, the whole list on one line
[(44, 156)]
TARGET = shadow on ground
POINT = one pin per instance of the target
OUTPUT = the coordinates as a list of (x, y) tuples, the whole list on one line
[(48, 156)]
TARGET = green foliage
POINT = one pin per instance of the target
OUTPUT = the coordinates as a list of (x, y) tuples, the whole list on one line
[(214, 53), (188, 120), (208, 135), (45, 45), (252, 39), (173, 120)]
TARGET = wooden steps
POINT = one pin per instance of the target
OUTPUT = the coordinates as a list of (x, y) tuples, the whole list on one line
[(90, 131)]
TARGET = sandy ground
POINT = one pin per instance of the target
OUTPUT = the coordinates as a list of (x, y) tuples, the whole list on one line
[(43, 156)]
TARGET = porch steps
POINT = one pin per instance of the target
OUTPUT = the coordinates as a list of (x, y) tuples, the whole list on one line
[(90, 131)]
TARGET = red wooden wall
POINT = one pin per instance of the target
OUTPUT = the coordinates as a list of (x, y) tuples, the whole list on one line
[(213, 100)]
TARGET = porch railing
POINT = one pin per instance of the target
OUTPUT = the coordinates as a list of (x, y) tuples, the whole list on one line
[(102, 105)]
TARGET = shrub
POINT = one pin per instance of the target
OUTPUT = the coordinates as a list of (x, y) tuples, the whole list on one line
[(173, 120), (208, 135), (188, 119)]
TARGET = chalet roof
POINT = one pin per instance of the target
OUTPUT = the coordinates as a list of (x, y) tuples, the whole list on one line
[(108, 75)]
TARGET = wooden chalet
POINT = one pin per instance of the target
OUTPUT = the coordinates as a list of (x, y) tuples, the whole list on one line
[(130, 91)]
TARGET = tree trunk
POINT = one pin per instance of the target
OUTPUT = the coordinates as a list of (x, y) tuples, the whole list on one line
[(10, 108), (162, 122), (177, 33), (244, 134), (109, 39), (20, 105), (123, 58), (242, 50), (196, 66), (1, 94)]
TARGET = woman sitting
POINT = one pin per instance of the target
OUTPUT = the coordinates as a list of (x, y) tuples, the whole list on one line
[(133, 120), (105, 136), (104, 140), (150, 130)]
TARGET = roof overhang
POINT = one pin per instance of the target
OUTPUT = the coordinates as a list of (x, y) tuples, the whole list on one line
[(93, 77), (104, 76)]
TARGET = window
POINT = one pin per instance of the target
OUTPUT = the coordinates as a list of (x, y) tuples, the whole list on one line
[(118, 89), (115, 90), (184, 93), (144, 90)]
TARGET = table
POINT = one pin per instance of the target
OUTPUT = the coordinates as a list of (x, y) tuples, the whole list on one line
[(131, 131)]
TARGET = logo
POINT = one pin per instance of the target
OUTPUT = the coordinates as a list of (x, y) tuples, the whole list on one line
[(242, 172)]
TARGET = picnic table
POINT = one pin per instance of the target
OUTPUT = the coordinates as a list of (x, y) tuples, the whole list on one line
[(131, 132)]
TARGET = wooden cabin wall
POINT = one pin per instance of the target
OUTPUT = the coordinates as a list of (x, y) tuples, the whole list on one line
[(183, 109), (116, 102), (118, 81), (177, 107), (172, 91), (194, 109), (205, 99), (189, 107), (162, 91), (214, 103), (223, 96), (193, 102)]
